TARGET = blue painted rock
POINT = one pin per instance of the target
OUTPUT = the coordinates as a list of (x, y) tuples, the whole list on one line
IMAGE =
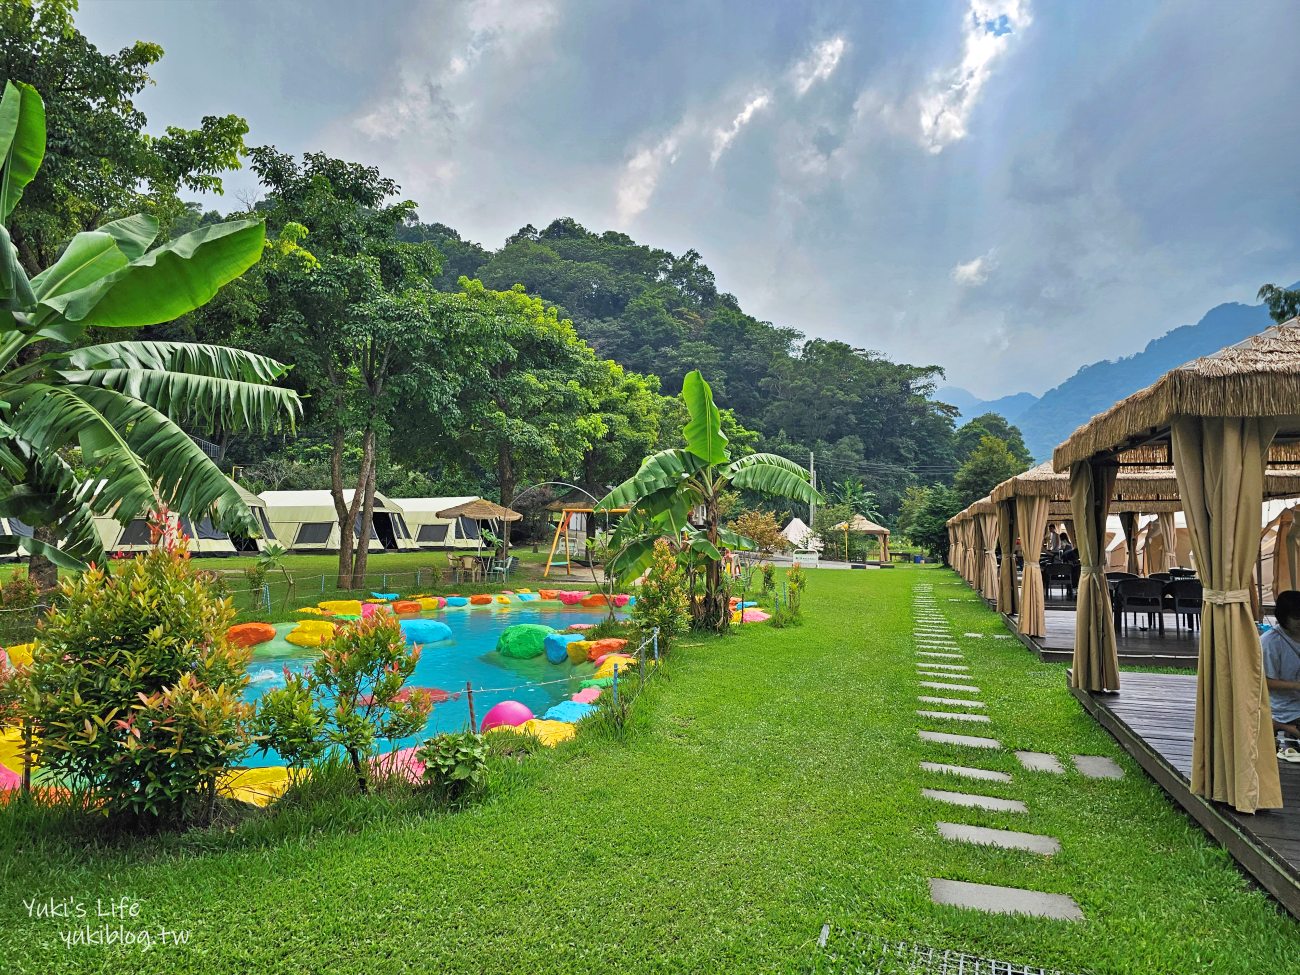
[(425, 631), (556, 646), (570, 711)]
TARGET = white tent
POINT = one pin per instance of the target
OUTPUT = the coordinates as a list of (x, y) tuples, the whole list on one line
[(305, 521), (799, 535), (137, 536), (431, 532), (267, 536)]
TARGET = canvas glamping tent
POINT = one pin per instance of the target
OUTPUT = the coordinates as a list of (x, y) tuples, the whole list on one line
[(433, 532), (305, 521)]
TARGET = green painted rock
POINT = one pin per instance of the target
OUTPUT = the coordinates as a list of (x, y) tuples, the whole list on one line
[(523, 640)]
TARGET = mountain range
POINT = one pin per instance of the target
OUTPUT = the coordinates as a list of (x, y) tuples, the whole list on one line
[(1048, 419)]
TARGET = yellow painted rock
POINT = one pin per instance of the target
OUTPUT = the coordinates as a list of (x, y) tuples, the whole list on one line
[(523, 590), (428, 602), (310, 610), (310, 633), (622, 660), (260, 786), (578, 650), (11, 750), (20, 654), (503, 599), (549, 733), (341, 607)]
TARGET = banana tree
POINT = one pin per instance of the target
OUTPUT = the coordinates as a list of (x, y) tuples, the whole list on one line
[(121, 403), (673, 485)]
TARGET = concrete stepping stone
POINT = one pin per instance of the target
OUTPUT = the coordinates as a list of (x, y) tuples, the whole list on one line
[(955, 716), (942, 675), (934, 666), (974, 636), (939, 653), (951, 700), (1040, 762), (991, 803), (1004, 900), (983, 774), (941, 686), (1097, 767), (968, 741), (1007, 839)]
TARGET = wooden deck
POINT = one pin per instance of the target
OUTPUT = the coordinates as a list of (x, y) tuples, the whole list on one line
[(1151, 717), (1137, 647)]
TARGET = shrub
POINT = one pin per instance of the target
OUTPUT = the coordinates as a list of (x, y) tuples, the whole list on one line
[(135, 693), (796, 580), (18, 591), (455, 765), (352, 698), (662, 600), (762, 528), (769, 578)]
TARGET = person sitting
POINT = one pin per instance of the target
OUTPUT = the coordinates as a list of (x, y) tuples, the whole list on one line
[(1281, 647)]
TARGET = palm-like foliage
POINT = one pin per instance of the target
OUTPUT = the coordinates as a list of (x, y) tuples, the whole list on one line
[(121, 403), (671, 484), (853, 494)]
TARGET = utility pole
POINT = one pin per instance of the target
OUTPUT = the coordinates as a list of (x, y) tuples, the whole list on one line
[(812, 478)]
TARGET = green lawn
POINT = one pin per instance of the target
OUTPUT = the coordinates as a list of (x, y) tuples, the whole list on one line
[(770, 784)]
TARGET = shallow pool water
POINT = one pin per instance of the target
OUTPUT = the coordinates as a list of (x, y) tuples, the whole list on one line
[(470, 655)]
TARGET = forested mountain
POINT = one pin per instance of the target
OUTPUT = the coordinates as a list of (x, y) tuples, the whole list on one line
[(660, 313), (970, 406), (1098, 386)]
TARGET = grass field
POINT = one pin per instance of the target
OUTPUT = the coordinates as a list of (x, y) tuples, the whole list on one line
[(769, 785)]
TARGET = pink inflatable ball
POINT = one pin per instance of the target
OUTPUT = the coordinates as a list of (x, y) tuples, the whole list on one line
[(572, 597), (506, 714), (621, 599), (587, 695)]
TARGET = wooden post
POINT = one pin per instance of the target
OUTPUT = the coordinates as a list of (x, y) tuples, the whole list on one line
[(27, 756), (554, 542), (469, 695)]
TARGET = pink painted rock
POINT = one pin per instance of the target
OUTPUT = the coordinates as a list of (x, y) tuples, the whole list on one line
[(756, 616), (401, 762), (571, 597), (622, 599), (587, 695), (9, 779), (579, 627), (370, 609)]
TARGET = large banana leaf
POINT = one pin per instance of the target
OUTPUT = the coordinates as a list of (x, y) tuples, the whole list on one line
[(87, 258), (660, 471), (195, 359), (703, 432), (133, 234), (775, 460), (51, 495), (22, 142), (164, 283), (775, 480), (15, 290)]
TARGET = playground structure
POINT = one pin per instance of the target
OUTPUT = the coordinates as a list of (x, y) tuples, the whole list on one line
[(563, 530)]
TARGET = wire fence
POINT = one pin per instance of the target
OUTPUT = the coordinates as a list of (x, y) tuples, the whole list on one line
[(843, 951)]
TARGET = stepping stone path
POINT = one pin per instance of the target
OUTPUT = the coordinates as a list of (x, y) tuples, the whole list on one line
[(1007, 839), (991, 803), (1004, 900), (934, 639), (1038, 762), (1098, 767)]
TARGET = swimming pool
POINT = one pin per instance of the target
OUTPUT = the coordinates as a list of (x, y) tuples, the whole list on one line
[(470, 655)]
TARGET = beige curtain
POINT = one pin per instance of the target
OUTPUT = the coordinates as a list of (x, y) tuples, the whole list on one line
[(952, 546), (1096, 658), (1220, 466), (1169, 538), (989, 568), (971, 546), (1284, 561), (1031, 517), (1007, 570), (1128, 521)]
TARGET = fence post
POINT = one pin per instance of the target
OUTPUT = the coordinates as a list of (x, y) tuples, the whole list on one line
[(385, 582), (322, 584), (419, 575), (640, 661), (266, 596), (27, 756), (655, 638), (469, 695)]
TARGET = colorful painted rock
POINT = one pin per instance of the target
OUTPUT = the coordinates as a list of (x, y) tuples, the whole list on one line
[(549, 593), (587, 695), (622, 599), (351, 607), (482, 599), (557, 645), (457, 601), (595, 599), (424, 631), (250, 634), (405, 607), (571, 597), (523, 641)]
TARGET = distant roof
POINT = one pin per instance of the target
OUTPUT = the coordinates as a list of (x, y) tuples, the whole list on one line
[(317, 499), (431, 506), (864, 525), (480, 509)]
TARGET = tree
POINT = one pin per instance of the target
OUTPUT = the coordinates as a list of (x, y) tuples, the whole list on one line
[(120, 402), (853, 495), (101, 163), (628, 410), (925, 517), (673, 483), (989, 465), (761, 528), (967, 438), (1283, 303), (357, 319), (523, 408)]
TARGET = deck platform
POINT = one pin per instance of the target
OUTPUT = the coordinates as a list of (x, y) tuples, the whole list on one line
[(1137, 647)]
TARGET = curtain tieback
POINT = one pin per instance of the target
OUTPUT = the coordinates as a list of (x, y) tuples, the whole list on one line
[(1223, 597), (1091, 570)]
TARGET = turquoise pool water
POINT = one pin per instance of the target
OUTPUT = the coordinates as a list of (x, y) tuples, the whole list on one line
[(470, 655)]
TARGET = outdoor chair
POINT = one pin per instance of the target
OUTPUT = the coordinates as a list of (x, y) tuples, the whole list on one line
[(1133, 596), (1183, 598), (470, 567), (455, 566), (1117, 576), (1182, 573), (501, 568), (1162, 576), (1059, 575)]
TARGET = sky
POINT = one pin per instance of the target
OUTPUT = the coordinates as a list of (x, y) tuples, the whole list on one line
[(1009, 189)]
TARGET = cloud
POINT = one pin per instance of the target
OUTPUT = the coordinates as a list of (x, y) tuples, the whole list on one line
[(946, 106), (973, 273), (641, 174), (819, 64), (723, 137)]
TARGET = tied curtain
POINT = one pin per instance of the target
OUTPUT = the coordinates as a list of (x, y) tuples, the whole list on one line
[(1096, 657), (1169, 538), (970, 546), (989, 564), (1285, 561), (1128, 521), (1220, 464), (1007, 570), (1031, 517), (952, 547)]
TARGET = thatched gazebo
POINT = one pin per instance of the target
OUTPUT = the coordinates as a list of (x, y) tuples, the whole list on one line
[(480, 509), (861, 525), (1219, 423)]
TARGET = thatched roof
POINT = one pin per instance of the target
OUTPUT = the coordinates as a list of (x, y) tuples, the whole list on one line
[(1257, 377), (480, 509), (862, 525), (1145, 489)]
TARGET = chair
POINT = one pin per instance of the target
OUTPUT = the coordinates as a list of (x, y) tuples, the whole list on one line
[(454, 565), (1117, 576), (1183, 573), (1162, 576), (1183, 598), (1060, 575), (470, 566), (1140, 596), (501, 568)]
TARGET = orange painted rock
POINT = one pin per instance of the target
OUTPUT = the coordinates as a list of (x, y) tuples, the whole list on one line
[(403, 606), (607, 645), (595, 599), (549, 593), (482, 599), (250, 634)]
